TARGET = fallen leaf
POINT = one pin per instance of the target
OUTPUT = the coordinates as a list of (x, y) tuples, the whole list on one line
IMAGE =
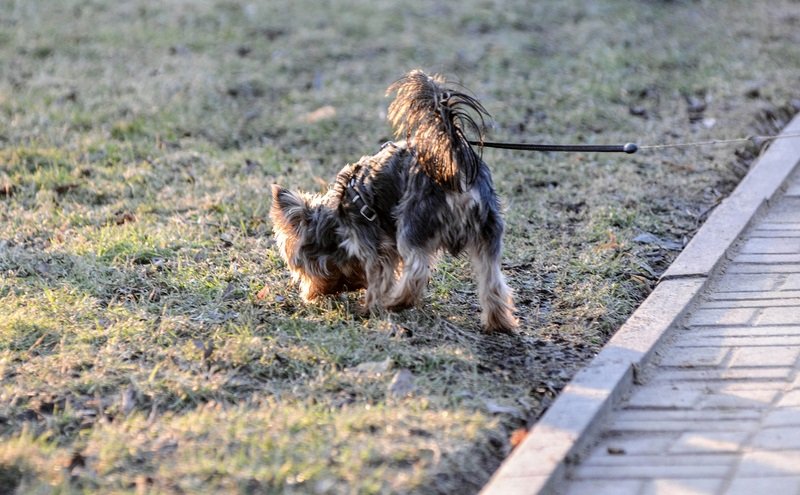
[(517, 436), (612, 243), (123, 217), (321, 113)]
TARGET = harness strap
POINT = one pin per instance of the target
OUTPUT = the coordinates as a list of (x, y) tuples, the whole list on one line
[(354, 191)]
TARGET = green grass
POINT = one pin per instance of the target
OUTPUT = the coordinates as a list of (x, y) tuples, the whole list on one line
[(150, 338)]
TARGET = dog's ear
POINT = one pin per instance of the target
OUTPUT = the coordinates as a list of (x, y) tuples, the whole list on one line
[(288, 209)]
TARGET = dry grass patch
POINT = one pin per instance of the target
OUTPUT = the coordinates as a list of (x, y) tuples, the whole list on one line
[(150, 340)]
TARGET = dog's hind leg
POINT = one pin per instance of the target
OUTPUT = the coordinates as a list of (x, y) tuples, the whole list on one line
[(496, 299)]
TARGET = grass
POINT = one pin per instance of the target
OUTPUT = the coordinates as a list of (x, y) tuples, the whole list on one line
[(150, 338)]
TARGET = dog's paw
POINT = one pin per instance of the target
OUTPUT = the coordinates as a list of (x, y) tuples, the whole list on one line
[(500, 322), (400, 305)]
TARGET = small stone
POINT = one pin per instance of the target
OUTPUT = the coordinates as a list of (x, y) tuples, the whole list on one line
[(402, 384)]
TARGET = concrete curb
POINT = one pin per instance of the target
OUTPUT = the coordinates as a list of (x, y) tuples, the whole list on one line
[(728, 220), (565, 429)]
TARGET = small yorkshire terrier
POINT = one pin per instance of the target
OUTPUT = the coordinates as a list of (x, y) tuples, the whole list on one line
[(384, 219)]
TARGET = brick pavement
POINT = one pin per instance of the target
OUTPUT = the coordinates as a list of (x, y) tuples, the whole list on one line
[(717, 410)]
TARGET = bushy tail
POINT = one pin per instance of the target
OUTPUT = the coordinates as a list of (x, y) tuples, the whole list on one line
[(434, 118)]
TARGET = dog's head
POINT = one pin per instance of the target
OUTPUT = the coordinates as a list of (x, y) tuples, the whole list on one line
[(308, 233)]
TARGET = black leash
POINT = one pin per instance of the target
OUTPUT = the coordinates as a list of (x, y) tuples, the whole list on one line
[(629, 148), (598, 148)]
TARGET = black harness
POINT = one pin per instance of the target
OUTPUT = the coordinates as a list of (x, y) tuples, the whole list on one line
[(354, 189)]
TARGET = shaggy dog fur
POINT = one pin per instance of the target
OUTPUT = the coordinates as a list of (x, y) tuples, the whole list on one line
[(384, 219)]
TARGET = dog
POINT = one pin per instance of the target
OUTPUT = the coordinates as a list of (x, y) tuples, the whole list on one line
[(384, 219)]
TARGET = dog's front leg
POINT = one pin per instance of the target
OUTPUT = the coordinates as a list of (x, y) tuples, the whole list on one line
[(410, 287), (380, 279)]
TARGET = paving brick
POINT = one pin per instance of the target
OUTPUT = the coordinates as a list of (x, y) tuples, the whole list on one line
[(792, 282), (742, 399), (790, 399), (664, 460), (775, 231), (763, 268), (671, 375), (753, 303), (784, 227), (641, 426), (733, 316), (736, 387), (760, 331), (694, 357), (605, 487), (777, 438), (783, 416), (638, 471), (772, 340), (664, 396), (789, 485), (768, 463), (688, 486), (779, 316), (771, 356), (686, 415), (776, 245), (635, 444), (733, 295), (739, 282), (787, 210), (767, 258), (711, 442)]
